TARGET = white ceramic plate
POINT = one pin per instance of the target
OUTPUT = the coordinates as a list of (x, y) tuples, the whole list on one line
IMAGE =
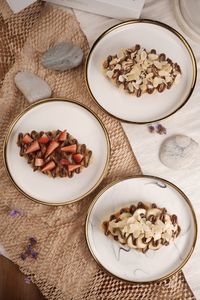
[(129, 264), (80, 122), (150, 35)]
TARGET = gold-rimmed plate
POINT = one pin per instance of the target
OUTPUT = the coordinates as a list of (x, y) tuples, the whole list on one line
[(150, 35), (82, 123), (129, 264)]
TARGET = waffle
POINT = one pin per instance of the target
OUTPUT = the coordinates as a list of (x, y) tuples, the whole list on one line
[(142, 227), (54, 153)]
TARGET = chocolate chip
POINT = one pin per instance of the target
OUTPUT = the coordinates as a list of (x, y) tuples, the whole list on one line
[(152, 219), (162, 217), (153, 51), (169, 84), (109, 58), (144, 240), (132, 209), (155, 243), (162, 57), (144, 250), (169, 61), (112, 217), (178, 230), (137, 47), (150, 90), (140, 205), (153, 205), (174, 219), (161, 87), (105, 64)]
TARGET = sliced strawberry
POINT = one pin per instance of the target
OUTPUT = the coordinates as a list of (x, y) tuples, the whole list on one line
[(52, 146), (50, 166), (27, 139), (64, 162), (33, 147), (63, 136), (43, 139), (39, 162), (71, 168), (77, 157), (70, 148)]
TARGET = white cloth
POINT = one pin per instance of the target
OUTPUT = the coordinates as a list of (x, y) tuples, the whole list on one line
[(185, 121)]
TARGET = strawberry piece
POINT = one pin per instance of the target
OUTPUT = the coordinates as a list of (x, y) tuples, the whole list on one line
[(50, 166), (64, 162), (63, 136), (77, 157), (39, 162), (52, 146), (33, 147), (70, 148), (27, 139), (71, 168), (43, 139)]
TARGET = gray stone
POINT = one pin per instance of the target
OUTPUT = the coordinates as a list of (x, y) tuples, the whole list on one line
[(32, 86), (178, 151), (62, 57)]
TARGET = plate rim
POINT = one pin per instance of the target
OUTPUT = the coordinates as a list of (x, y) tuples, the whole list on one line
[(154, 22), (20, 115), (134, 177)]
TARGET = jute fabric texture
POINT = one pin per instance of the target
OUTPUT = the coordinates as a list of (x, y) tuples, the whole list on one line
[(64, 268)]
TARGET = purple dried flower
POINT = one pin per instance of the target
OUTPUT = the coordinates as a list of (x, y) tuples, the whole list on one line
[(34, 254), (151, 128), (27, 280), (14, 213), (23, 255), (160, 129), (29, 251), (33, 241)]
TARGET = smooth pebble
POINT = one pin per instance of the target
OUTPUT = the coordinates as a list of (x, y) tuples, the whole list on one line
[(32, 86), (178, 151), (62, 57)]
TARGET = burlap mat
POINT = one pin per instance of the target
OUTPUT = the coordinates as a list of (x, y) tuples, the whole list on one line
[(64, 268)]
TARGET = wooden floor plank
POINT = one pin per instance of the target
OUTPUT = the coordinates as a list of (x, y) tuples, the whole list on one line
[(12, 283)]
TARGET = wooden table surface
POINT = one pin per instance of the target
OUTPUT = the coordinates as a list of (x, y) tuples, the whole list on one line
[(13, 285)]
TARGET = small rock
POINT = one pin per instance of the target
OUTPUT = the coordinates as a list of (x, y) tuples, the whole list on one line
[(178, 151), (32, 86), (62, 57)]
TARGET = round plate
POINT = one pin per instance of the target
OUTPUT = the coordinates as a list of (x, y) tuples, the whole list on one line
[(80, 122), (129, 264), (148, 108)]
